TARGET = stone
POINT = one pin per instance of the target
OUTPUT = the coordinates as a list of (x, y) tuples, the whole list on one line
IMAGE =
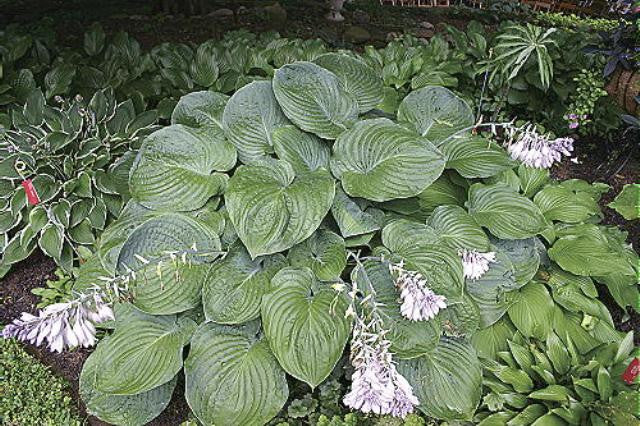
[(392, 36), (222, 13), (424, 33), (276, 15), (356, 35), (427, 25), (360, 17), (242, 10)]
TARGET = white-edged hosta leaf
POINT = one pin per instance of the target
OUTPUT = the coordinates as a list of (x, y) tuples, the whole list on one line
[(314, 99), (51, 240), (562, 204), (304, 321), (324, 253), (200, 109), (532, 180), (503, 211), (358, 78), (476, 157), (627, 202), (272, 209), (143, 353), (249, 118), (524, 256), (121, 410), (458, 229), (532, 311), (234, 286), (304, 151), (380, 161), (409, 339), (353, 216), (232, 377), (174, 168), (435, 112), (447, 381)]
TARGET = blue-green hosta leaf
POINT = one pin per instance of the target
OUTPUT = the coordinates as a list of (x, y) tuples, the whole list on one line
[(249, 119), (435, 112), (402, 234), (447, 381), (458, 229), (305, 324), (461, 319), (143, 353), (524, 256), (409, 339), (173, 170), (324, 253), (493, 291), (442, 191), (314, 99), (627, 202), (232, 377), (164, 286), (353, 216), (506, 213), (493, 339), (121, 410), (532, 311), (358, 78), (532, 180), (585, 250), (234, 286), (380, 161), (200, 109), (476, 157), (304, 151), (562, 204), (272, 209)]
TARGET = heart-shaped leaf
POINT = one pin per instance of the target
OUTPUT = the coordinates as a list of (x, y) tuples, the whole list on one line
[(304, 151), (200, 109), (324, 253)]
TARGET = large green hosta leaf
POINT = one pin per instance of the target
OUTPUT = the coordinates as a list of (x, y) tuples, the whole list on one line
[(458, 229), (304, 151), (560, 203), (324, 253), (493, 339), (163, 285), (435, 112), (627, 202), (143, 353), (504, 212), (314, 99), (532, 312), (272, 209), (402, 234), (355, 216), (251, 115), (174, 168), (235, 285), (524, 256), (200, 109), (121, 410), (358, 78), (476, 157), (447, 381), (232, 378), (409, 339), (305, 324), (379, 160)]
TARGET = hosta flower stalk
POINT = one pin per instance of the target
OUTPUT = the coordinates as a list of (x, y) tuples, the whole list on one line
[(476, 264), (536, 150), (419, 302)]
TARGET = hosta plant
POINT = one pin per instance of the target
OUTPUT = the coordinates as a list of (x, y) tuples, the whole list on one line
[(273, 233), (63, 173)]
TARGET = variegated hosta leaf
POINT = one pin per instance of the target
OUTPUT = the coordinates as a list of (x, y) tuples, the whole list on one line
[(163, 285), (354, 217), (305, 324), (524, 256), (562, 204), (493, 291), (324, 253), (232, 378), (234, 286), (436, 113), (447, 381), (304, 151), (506, 213), (458, 229), (380, 160), (272, 209), (121, 410), (357, 78), (476, 157), (314, 99), (173, 170), (409, 339), (251, 115), (200, 109), (144, 352)]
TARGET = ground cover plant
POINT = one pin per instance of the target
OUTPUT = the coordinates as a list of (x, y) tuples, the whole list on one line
[(269, 229)]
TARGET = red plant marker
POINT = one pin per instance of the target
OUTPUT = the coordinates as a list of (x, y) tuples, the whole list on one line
[(632, 371), (30, 190)]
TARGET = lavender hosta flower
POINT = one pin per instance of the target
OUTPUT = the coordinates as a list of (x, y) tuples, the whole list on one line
[(419, 302), (475, 264), (536, 150), (62, 325)]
